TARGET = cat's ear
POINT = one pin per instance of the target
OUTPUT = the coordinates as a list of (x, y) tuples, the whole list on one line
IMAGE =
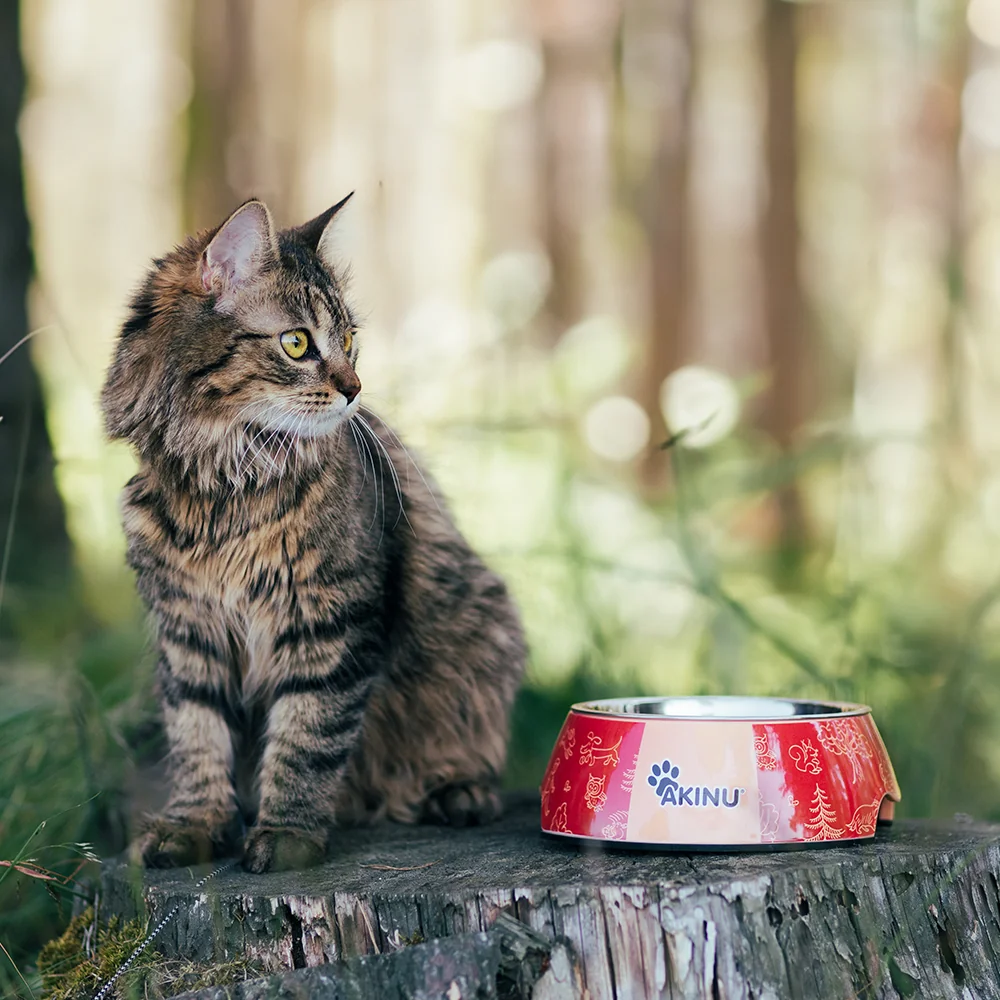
[(242, 248), (315, 233)]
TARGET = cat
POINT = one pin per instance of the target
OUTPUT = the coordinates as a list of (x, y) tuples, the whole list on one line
[(331, 650)]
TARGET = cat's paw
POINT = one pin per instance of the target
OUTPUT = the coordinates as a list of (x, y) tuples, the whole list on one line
[(467, 804), (275, 849), (171, 844)]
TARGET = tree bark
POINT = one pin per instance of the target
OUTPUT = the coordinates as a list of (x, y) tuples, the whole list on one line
[(916, 912), (34, 544)]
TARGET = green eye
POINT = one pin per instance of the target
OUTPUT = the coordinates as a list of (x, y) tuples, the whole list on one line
[(348, 341), (295, 343)]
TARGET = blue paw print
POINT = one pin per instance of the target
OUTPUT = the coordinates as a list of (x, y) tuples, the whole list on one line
[(661, 777)]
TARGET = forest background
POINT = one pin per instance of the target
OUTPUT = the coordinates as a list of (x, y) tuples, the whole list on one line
[(691, 308)]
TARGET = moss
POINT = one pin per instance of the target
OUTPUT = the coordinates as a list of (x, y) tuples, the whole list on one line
[(87, 954)]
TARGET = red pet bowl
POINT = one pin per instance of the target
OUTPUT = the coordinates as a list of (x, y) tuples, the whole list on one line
[(718, 772)]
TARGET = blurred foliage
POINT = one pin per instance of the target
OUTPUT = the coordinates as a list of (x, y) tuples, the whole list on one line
[(70, 729)]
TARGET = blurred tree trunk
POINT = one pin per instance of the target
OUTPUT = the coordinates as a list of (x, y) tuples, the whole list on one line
[(34, 544), (246, 59), (938, 192), (662, 202), (220, 61), (784, 408), (561, 141), (941, 121), (574, 140)]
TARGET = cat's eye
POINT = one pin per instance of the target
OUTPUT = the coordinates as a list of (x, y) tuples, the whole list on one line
[(295, 343), (348, 341)]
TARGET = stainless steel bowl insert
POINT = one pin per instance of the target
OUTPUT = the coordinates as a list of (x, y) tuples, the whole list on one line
[(722, 707)]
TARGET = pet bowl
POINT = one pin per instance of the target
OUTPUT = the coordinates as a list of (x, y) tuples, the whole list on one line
[(717, 773)]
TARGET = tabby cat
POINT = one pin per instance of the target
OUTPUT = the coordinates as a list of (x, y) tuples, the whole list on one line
[(331, 650)]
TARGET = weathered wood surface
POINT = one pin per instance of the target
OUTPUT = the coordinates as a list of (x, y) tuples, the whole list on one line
[(506, 962), (914, 914), (467, 965)]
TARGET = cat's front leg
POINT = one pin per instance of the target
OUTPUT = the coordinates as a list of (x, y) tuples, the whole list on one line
[(201, 819), (313, 726)]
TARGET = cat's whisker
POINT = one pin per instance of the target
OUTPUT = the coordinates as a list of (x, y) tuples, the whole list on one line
[(245, 415), (376, 483), (281, 458), (294, 449), (248, 473), (291, 451), (385, 451), (392, 469), (338, 438), (230, 442), (243, 467), (260, 451), (28, 336), (375, 478), (364, 454), (410, 461), (380, 446), (297, 453), (364, 467), (239, 453)]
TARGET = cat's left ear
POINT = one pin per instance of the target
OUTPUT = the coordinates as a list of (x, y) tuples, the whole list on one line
[(242, 248), (315, 233)]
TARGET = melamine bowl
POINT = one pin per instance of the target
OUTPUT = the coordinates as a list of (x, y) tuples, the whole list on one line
[(716, 773)]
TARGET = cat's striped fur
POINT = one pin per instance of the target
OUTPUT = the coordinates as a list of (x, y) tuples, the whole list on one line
[(330, 648)]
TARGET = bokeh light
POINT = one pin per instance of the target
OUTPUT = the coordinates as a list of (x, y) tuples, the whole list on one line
[(984, 20), (700, 404), (592, 355), (501, 74), (514, 285), (616, 428), (980, 101)]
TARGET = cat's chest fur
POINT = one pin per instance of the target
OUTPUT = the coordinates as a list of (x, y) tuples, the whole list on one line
[(244, 565)]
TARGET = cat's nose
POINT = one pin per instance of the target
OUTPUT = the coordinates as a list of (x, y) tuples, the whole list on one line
[(349, 390)]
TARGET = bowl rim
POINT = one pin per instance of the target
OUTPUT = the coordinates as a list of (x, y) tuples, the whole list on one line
[(618, 708)]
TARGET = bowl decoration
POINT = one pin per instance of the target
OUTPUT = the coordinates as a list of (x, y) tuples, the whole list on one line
[(718, 772)]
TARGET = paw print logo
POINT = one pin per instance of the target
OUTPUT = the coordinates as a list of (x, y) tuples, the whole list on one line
[(663, 777)]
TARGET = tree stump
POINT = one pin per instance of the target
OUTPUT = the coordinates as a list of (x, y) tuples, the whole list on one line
[(916, 913)]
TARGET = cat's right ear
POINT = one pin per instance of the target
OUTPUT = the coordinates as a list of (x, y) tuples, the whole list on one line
[(316, 233), (242, 248)]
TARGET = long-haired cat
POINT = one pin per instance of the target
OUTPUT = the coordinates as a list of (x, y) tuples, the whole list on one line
[(330, 647)]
